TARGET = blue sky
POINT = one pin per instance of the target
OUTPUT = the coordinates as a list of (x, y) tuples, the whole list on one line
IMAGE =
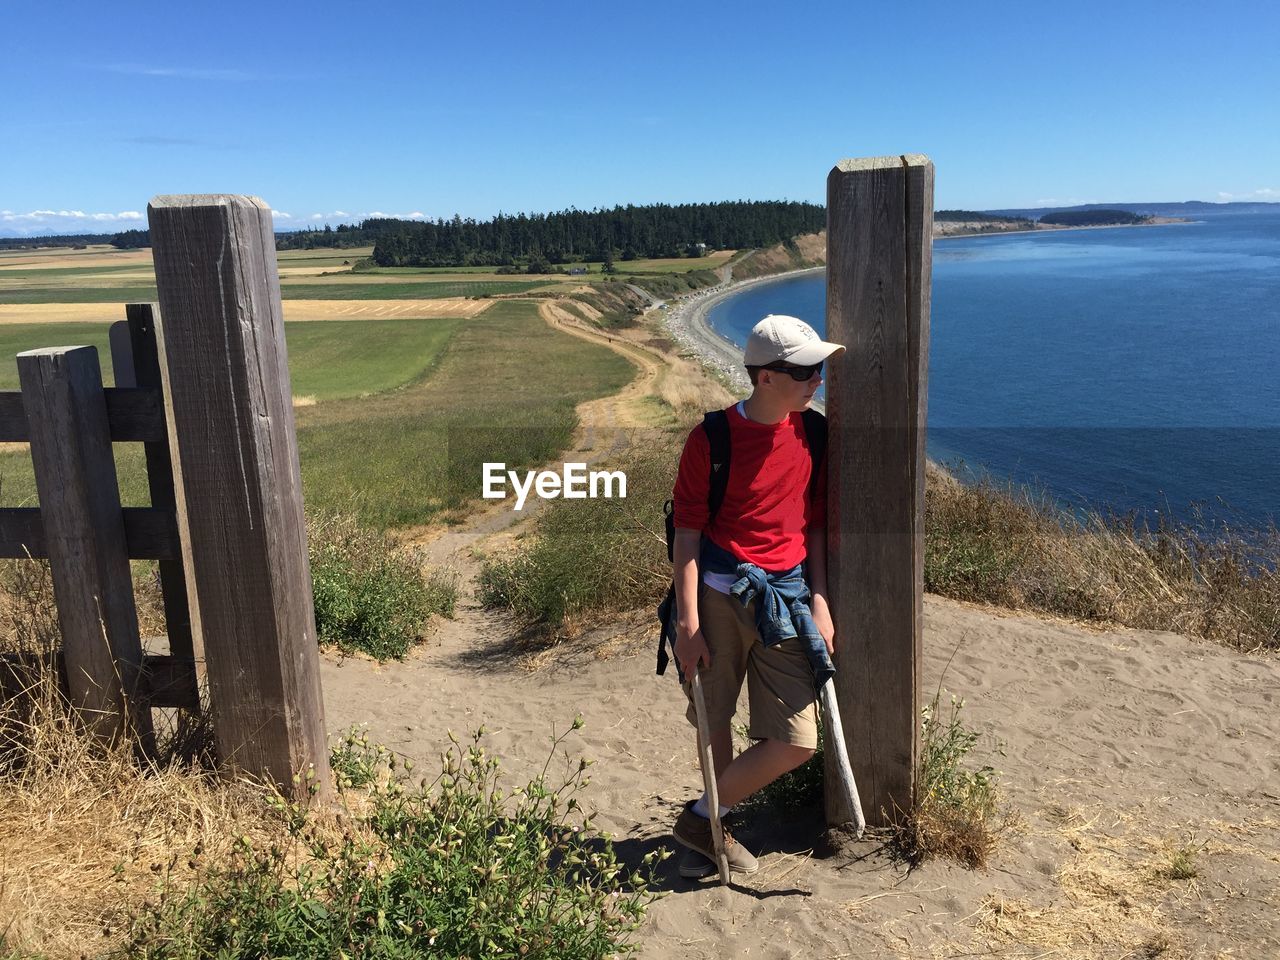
[(333, 112)]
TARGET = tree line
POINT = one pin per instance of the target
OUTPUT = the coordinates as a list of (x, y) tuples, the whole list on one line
[(630, 232), (627, 233)]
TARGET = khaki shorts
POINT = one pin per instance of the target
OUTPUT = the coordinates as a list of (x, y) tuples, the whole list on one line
[(780, 692)]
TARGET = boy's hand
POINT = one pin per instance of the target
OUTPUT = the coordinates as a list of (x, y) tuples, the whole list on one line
[(822, 620), (691, 650)]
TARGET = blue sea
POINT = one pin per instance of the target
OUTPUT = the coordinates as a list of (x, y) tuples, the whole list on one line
[(1133, 369)]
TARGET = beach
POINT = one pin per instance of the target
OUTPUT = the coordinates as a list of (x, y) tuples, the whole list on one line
[(686, 322)]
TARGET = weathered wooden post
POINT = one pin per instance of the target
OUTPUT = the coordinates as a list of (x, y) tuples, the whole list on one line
[(879, 269), (84, 530), (237, 482), (135, 362)]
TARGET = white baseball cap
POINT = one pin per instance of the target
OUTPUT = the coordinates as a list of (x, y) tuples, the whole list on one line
[(782, 339)]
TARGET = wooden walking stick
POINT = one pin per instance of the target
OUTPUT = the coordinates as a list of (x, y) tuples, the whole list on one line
[(709, 776), (835, 741)]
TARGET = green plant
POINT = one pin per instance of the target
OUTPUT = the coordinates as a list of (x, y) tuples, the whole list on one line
[(589, 556), (368, 596), (1182, 863), (798, 788), (455, 868), (354, 761), (955, 808)]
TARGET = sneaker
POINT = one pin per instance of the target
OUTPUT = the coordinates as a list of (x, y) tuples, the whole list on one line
[(695, 833), (694, 866)]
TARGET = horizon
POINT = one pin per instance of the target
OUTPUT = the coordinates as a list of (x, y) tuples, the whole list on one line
[(141, 222), (421, 114)]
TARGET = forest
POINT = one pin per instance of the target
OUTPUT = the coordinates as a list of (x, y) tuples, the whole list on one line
[(630, 232)]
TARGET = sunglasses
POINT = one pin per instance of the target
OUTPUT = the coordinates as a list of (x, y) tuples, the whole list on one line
[(799, 374)]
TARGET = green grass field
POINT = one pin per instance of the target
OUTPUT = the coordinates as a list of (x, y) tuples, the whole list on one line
[(328, 360), (338, 359), (36, 274), (444, 396), (322, 257), (505, 390), (426, 290)]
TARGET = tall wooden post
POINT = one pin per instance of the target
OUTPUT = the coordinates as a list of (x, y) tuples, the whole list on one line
[(879, 269), (85, 537), (237, 482)]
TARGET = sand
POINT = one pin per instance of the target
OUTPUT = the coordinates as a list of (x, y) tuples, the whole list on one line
[(1116, 748), (293, 310)]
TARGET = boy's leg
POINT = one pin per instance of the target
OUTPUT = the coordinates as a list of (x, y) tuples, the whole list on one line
[(757, 767), (784, 720), (729, 635)]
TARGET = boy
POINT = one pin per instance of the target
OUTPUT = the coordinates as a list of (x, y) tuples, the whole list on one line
[(743, 607)]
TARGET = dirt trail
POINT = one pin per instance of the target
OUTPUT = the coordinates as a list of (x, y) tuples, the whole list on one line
[(631, 407), (606, 426)]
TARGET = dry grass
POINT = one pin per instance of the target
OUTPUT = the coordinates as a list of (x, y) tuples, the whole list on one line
[(689, 391), (1119, 891), (799, 253), (1010, 548), (84, 830)]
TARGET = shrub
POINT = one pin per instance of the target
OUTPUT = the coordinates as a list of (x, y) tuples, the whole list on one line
[(451, 869), (368, 595), (1020, 550), (354, 761), (955, 810), (589, 556)]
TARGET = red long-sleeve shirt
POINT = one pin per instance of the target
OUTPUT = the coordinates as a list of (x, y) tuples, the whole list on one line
[(767, 507)]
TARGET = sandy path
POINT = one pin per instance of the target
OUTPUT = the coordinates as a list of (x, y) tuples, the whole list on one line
[(1118, 748), (626, 409)]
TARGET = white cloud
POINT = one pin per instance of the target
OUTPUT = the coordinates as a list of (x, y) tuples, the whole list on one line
[(181, 73), (37, 222), (281, 215), (1261, 194)]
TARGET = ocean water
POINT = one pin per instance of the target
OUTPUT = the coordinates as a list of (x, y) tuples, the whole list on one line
[(1135, 369)]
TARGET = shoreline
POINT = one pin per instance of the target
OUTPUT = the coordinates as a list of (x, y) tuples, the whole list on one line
[(686, 318), (686, 322), (1056, 229)]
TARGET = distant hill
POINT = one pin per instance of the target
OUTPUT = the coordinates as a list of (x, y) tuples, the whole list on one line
[(1189, 208), (1093, 218)]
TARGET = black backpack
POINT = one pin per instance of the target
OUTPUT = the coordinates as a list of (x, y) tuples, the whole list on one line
[(716, 426)]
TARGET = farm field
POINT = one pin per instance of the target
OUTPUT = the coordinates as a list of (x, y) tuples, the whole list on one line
[(294, 310), (394, 416), (402, 387), (95, 290), (505, 389), (327, 361)]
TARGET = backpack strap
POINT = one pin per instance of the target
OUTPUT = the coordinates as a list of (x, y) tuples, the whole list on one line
[(716, 426), (815, 431)]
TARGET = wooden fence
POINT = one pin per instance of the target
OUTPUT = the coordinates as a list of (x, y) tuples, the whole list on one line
[(206, 390)]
